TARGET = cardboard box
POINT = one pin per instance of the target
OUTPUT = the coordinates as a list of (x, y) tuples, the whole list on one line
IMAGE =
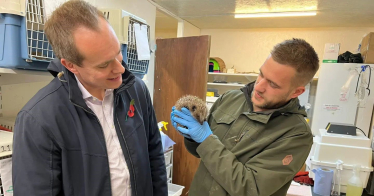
[(232, 71), (331, 53), (368, 56), (367, 48), (303, 168)]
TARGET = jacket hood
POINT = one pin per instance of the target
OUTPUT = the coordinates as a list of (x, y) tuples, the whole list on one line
[(55, 67)]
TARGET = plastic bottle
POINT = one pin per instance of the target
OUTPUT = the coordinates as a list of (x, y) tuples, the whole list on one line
[(354, 186), (337, 179)]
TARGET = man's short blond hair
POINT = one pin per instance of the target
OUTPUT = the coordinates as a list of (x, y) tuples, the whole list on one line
[(64, 20)]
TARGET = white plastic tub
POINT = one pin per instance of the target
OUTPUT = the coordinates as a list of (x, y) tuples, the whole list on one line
[(348, 154), (169, 170), (330, 147), (345, 174), (340, 139), (174, 189), (168, 156), (6, 143)]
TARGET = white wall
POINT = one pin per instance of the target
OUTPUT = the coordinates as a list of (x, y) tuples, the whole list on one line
[(190, 30), (247, 49), (165, 33), (186, 29), (15, 96), (140, 8)]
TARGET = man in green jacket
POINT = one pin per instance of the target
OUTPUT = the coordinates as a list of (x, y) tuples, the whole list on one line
[(255, 139)]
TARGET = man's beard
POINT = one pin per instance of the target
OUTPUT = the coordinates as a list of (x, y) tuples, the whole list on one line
[(270, 105)]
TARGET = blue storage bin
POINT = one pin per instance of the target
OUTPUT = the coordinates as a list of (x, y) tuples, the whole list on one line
[(21, 47)]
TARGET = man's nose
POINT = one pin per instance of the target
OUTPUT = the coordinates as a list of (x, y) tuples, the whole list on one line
[(260, 85)]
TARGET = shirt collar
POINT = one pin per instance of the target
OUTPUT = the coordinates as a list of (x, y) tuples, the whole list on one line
[(86, 94)]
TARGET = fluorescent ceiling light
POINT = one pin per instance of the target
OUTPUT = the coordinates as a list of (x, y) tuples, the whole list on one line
[(275, 14)]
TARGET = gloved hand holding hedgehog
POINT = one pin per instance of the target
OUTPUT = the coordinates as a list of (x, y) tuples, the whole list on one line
[(188, 116), (195, 105)]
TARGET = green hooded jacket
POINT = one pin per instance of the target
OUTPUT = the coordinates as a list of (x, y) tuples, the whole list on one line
[(250, 153)]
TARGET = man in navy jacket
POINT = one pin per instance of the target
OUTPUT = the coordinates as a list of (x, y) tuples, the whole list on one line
[(92, 130)]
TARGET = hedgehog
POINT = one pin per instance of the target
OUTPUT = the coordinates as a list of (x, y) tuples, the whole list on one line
[(196, 106)]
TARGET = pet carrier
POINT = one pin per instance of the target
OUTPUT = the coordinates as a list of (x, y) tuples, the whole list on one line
[(123, 25), (23, 43)]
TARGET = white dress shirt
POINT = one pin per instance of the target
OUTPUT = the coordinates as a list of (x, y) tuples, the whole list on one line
[(119, 173)]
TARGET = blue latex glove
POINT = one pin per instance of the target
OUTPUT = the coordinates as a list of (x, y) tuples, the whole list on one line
[(175, 123), (197, 131)]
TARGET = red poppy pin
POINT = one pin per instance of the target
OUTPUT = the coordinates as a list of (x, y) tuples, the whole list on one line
[(131, 111)]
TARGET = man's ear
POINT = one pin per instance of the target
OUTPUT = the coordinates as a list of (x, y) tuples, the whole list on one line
[(298, 91), (70, 66)]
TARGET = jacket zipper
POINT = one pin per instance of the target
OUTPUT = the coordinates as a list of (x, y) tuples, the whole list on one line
[(123, 137), (128, 152), (240, 137), (97, 119), (105, 147), (241, 134)]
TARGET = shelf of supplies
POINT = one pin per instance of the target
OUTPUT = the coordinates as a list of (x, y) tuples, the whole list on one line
[(234, 74), (23, 71), (225, 84), (7, 122), (211, 99)]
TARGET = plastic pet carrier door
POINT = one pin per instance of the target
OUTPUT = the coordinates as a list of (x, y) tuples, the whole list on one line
[(122, 23), (23, 43), (138, 67)]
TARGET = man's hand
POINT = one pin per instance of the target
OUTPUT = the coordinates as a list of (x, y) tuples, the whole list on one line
[(195, 130)]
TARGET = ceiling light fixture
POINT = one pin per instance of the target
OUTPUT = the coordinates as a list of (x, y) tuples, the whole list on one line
[(275, 14)]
